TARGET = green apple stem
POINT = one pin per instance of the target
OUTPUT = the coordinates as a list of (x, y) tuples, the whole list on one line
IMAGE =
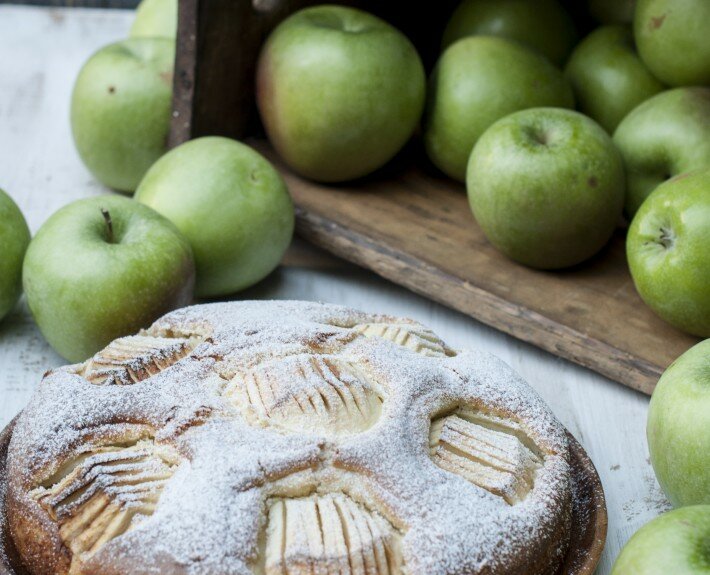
[(109, 225)]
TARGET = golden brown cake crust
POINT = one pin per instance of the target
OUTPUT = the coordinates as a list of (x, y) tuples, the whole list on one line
[(266, 437)]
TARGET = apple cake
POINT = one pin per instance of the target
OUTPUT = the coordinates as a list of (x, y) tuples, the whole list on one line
[(288, 438)]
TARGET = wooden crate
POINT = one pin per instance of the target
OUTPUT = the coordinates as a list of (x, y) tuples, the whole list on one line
[(410, 224)]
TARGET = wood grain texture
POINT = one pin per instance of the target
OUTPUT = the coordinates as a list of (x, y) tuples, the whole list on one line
[(589, 519), (416, 229), (213, 82)]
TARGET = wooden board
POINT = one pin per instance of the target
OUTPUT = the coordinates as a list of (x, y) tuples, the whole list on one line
[(415, 228), (589, 515)]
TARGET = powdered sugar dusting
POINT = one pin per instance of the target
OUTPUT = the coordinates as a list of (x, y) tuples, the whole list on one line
[(212, 511)]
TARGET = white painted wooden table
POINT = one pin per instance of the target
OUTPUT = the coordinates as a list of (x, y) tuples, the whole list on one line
[(41, 51)]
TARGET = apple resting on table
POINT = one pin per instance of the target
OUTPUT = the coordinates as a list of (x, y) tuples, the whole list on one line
[(679, 428), (608, 77), (676, 543), (339, 91), (102, 268), (673, 38), (477, 81), (120, 109), (668, 248), (156, 19), (231, 204), (546, 185), (667, 135), (14, 238), (542, 25)]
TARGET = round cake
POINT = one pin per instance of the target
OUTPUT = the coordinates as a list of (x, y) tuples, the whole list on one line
[(288, 438)]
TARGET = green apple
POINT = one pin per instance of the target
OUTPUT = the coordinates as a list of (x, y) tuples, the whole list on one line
[(678, 427), (542, 25), (156, 19), (676, 543), (668, 248), (672, 38), (14, 238), (477, 81), (339, 92), (102, 268), (607, 76), (612, 11), (546, 186), (120, 109), (667, 135), (232, 206)]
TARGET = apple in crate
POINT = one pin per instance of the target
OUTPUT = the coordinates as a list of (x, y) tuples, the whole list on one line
[(608, 77), (477, 81), (676, 543), (156, 19), (678, 428), (339, 91), (14, 238), (673, 38), (546, 186), (102, 268), (667, 135), (542, 25), (668, 248), (120, 109), (230, 203)]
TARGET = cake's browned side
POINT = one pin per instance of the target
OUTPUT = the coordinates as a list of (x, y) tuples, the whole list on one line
[(35, 535)]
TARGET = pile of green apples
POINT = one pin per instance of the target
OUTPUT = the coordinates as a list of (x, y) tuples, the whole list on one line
[(340, 93), (560, 131)]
